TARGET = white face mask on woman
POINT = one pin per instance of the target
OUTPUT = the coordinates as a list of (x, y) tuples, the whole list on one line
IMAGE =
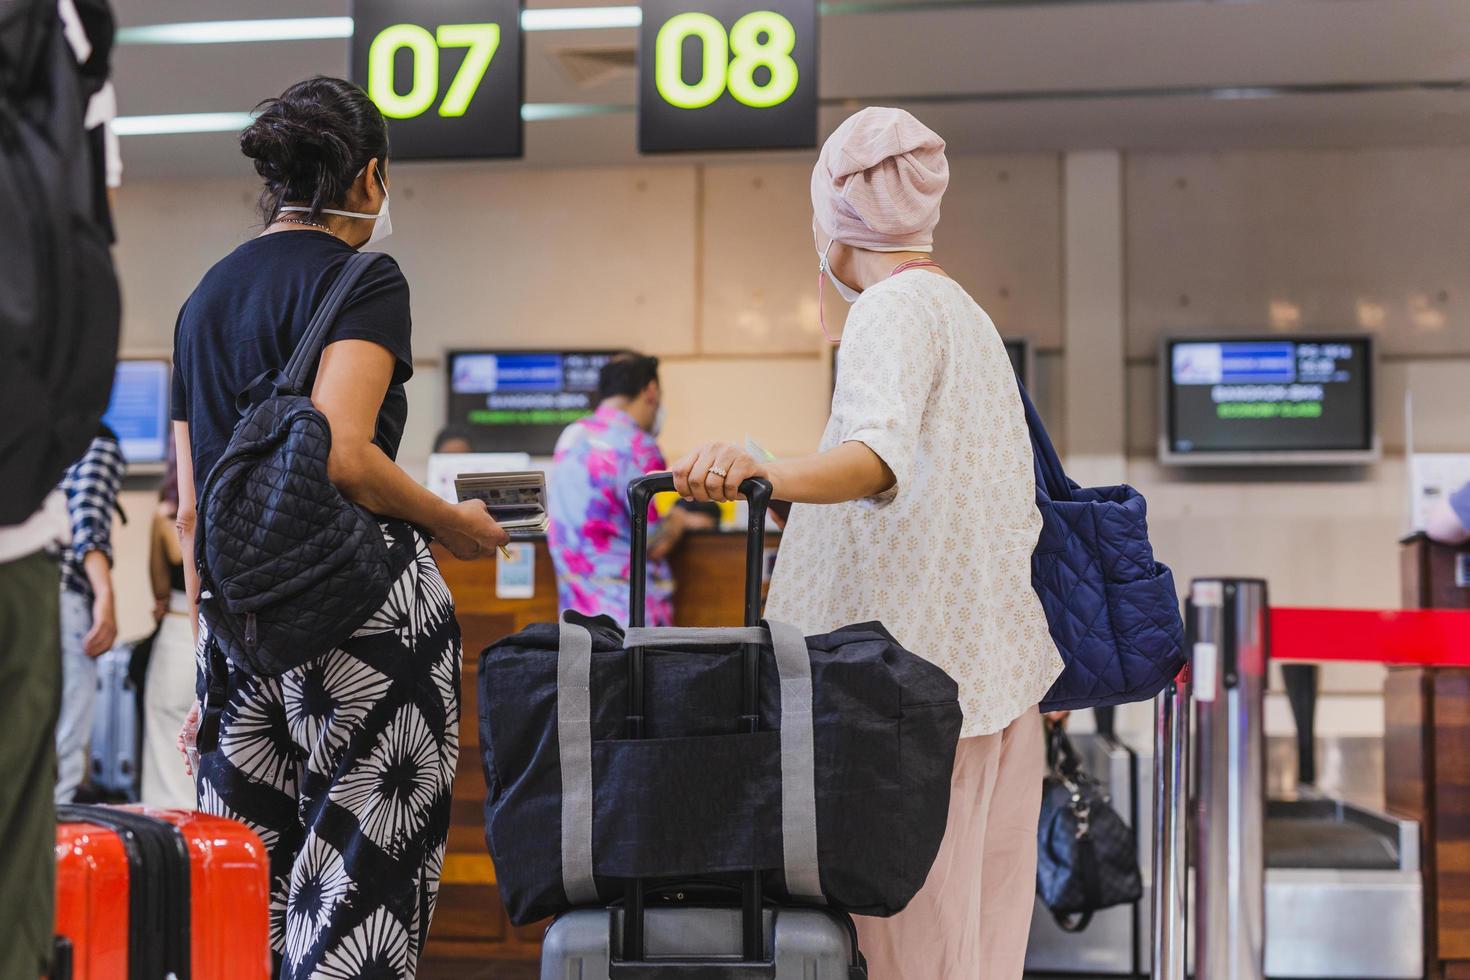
[(824, 271), (382, 223)]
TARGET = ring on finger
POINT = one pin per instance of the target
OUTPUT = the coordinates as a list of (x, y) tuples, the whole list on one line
[(717, 471)]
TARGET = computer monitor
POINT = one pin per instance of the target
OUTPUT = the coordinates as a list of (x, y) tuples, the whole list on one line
[(520, 400), (1267, 400), (138, 411)]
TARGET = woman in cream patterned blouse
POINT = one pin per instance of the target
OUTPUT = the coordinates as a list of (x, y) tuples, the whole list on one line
[(919, 510)]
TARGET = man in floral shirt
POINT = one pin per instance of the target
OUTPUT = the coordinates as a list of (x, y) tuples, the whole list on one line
[(591, 529)]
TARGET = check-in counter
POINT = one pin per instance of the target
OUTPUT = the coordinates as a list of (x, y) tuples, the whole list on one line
[(1426, 754), (471, 923)]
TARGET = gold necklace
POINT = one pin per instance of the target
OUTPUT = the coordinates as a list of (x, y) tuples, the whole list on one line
[(304, 221)]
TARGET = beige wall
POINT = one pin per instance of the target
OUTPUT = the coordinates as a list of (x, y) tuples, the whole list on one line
[(712, 268)]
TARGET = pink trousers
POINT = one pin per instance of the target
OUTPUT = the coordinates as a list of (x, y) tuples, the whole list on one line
[(971, 919)]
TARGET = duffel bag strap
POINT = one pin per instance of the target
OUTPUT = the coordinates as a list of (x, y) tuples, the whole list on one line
[(798, 764), (574, 740), (694, 636)]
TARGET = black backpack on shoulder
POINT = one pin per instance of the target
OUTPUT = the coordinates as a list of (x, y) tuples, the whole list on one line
[(289, 568), (59, 305)]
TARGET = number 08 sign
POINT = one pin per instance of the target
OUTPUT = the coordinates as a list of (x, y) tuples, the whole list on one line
[(446, 73), (727, 74)]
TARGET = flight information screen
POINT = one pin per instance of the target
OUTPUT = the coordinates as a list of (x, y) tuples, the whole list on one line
[(1269, 396), (138, 410), (519, 401)]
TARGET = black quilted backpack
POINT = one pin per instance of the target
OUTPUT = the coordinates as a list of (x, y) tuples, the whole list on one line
[(288, 567)]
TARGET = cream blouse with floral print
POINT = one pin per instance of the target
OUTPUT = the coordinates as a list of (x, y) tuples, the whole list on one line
[(943, 558)]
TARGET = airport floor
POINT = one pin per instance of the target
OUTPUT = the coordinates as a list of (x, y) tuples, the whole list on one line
[(1349, 768)]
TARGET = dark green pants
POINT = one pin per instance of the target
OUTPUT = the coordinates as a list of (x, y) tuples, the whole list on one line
[(30, 694)]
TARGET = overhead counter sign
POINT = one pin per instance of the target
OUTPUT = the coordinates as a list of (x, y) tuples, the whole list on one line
[(727, 75), (447, 74)]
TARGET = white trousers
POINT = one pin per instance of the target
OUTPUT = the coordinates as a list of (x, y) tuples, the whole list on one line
[(168, 694)]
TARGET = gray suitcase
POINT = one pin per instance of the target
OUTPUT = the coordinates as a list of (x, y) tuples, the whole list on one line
[(704, 943), (113, 756), (700, 930)]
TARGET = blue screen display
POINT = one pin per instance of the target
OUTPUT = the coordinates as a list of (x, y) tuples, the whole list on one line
[(138, 410)]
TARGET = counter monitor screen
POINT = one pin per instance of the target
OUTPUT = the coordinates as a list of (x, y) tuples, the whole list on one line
[(138, 410), (519, 401), (1268, 401)]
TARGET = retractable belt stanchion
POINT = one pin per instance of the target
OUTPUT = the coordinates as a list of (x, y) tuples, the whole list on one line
[(1170, 840), (1229, 640)]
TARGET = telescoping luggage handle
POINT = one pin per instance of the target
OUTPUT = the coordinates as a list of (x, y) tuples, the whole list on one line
[(757, 493)]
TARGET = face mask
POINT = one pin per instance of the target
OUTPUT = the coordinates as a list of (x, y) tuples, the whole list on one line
[(382, 223), (659, 417), (824, 271)]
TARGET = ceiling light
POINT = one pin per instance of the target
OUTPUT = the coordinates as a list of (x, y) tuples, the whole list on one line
[(234, 31), (336, 28), (542, 111), (580, 18), (181, 122)]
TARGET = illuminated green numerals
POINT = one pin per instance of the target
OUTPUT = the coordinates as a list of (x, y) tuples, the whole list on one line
[(762, 38), (481, 40)]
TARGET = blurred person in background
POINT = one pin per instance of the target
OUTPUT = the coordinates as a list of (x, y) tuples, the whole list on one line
[(1449, 518), (453, 439), (168, 686), (343, 764), (591, 529), (88, 610), (919, 510)]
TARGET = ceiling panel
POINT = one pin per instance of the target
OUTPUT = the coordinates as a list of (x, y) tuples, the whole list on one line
[(1063, 63)]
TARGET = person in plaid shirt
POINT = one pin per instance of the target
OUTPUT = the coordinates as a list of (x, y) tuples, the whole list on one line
[(88, 614)]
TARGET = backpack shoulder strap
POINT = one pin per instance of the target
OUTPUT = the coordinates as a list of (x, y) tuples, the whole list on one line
[(309, 350)]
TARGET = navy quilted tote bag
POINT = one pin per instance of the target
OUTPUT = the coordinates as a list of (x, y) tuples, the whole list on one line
[(1112, 609)]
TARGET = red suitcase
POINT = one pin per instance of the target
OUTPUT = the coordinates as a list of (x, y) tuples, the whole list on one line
[(148, 893)]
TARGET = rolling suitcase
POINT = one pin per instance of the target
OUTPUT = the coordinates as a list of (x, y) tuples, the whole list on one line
[(113, 755), (144, 894), (705, 930)]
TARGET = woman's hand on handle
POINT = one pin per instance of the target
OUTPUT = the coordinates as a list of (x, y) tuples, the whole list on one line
[(715, 471), (188, 739), (472, 533)]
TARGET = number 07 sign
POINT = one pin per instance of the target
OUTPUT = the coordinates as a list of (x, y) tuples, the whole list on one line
[(727, 74), (447, 74)]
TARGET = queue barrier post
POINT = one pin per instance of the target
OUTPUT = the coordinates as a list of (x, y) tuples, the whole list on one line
[(1170, 840), (1229, 650)]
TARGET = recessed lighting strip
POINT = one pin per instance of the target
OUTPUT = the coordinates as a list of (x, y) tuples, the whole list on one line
[(181, 123), (337, 28)]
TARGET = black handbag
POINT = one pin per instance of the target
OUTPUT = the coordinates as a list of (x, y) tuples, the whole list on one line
[(1087, 857), (288, 567)]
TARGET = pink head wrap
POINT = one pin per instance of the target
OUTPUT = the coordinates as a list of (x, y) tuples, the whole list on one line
[(878, 182)]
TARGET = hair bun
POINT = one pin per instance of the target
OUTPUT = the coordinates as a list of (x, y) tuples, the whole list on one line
[(294, 141), (310, 143)]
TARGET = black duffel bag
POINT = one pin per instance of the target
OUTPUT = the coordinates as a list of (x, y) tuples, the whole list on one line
[(575, 804), (1087, 857)]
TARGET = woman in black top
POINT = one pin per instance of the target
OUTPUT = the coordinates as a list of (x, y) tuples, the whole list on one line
[(343, 765)]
